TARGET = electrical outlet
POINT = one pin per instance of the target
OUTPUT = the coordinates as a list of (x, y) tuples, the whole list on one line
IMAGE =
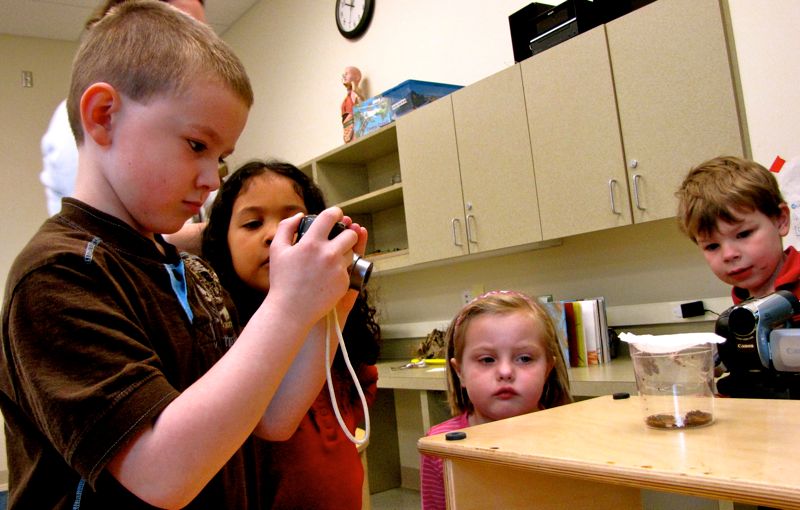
[(27, 79)]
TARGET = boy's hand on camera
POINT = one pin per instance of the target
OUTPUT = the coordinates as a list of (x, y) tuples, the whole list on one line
[(311, 276)]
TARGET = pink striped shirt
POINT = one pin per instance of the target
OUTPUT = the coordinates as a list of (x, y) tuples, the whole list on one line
[(431, 471)]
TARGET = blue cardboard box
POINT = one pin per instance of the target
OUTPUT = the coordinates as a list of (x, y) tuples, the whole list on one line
[(382, 109)]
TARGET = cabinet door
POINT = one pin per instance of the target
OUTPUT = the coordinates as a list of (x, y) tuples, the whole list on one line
[(675, 96), (574, 129), (496, 165), (431, 183)]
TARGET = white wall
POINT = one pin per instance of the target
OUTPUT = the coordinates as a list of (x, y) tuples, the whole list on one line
[(295, 57), (767, 46), (649, 263), (24, 114)]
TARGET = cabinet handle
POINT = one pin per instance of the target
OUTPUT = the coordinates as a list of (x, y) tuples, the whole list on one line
[(454, 225), (469, 229), (636, 178), (612, 183)]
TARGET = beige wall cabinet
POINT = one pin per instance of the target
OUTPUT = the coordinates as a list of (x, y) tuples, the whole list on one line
[(432, 183), (574, 130), (657, 98), (494, 152), (675, 95), (468, 171)]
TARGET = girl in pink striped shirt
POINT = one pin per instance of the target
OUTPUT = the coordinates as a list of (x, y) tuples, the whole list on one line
[(504, 360)]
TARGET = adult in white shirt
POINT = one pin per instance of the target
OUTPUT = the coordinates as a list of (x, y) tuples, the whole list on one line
[(60, 158)]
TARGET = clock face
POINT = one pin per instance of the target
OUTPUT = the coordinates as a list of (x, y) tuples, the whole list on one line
[(353, 16)]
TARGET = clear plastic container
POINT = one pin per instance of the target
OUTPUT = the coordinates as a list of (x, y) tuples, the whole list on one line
[(676, 388)]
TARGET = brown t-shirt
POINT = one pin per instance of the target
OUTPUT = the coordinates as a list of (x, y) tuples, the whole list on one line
[(95, 344)]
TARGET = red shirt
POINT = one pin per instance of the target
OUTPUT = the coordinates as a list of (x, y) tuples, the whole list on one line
[(788, 277), (318, 467)]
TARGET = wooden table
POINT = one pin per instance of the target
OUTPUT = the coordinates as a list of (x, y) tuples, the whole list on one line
[(599, 454)]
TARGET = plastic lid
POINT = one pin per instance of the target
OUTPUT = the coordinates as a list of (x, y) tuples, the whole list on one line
[(670, 343)]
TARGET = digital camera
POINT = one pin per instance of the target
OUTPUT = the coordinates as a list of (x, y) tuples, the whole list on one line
[(758, 335), (359, 270)]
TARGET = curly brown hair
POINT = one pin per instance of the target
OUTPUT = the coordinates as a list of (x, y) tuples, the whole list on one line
[(361, 332)]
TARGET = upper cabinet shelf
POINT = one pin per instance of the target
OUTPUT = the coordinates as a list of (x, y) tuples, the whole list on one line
[(382, 199), (371, 147)]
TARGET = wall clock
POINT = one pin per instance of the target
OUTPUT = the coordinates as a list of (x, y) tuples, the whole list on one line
[(353, 16)]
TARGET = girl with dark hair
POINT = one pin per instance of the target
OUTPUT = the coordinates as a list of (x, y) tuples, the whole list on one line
[(318, 467)]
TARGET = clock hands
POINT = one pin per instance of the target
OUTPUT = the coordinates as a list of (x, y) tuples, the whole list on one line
[(352, 16), (349, 16)]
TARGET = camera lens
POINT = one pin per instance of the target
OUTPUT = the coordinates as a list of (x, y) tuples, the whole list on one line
[(742, 321), (360, 270)]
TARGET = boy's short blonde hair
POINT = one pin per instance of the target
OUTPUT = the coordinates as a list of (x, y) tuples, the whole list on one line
[(144, 48), (102, 10), (501, 302), (717, 189)]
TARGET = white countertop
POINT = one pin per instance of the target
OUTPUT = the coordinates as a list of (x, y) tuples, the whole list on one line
[(427, 378)]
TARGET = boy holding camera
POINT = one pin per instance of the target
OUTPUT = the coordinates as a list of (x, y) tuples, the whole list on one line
[(734, 211), (120, 381)]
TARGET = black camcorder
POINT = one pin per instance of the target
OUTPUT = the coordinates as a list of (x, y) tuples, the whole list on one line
[(359, 270), (758, 334)]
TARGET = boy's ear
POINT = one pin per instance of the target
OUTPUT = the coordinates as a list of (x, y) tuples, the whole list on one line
[(98, 102), (782, 222)]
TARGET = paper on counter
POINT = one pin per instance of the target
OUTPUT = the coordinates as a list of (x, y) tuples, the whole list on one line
[(670, 343)]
